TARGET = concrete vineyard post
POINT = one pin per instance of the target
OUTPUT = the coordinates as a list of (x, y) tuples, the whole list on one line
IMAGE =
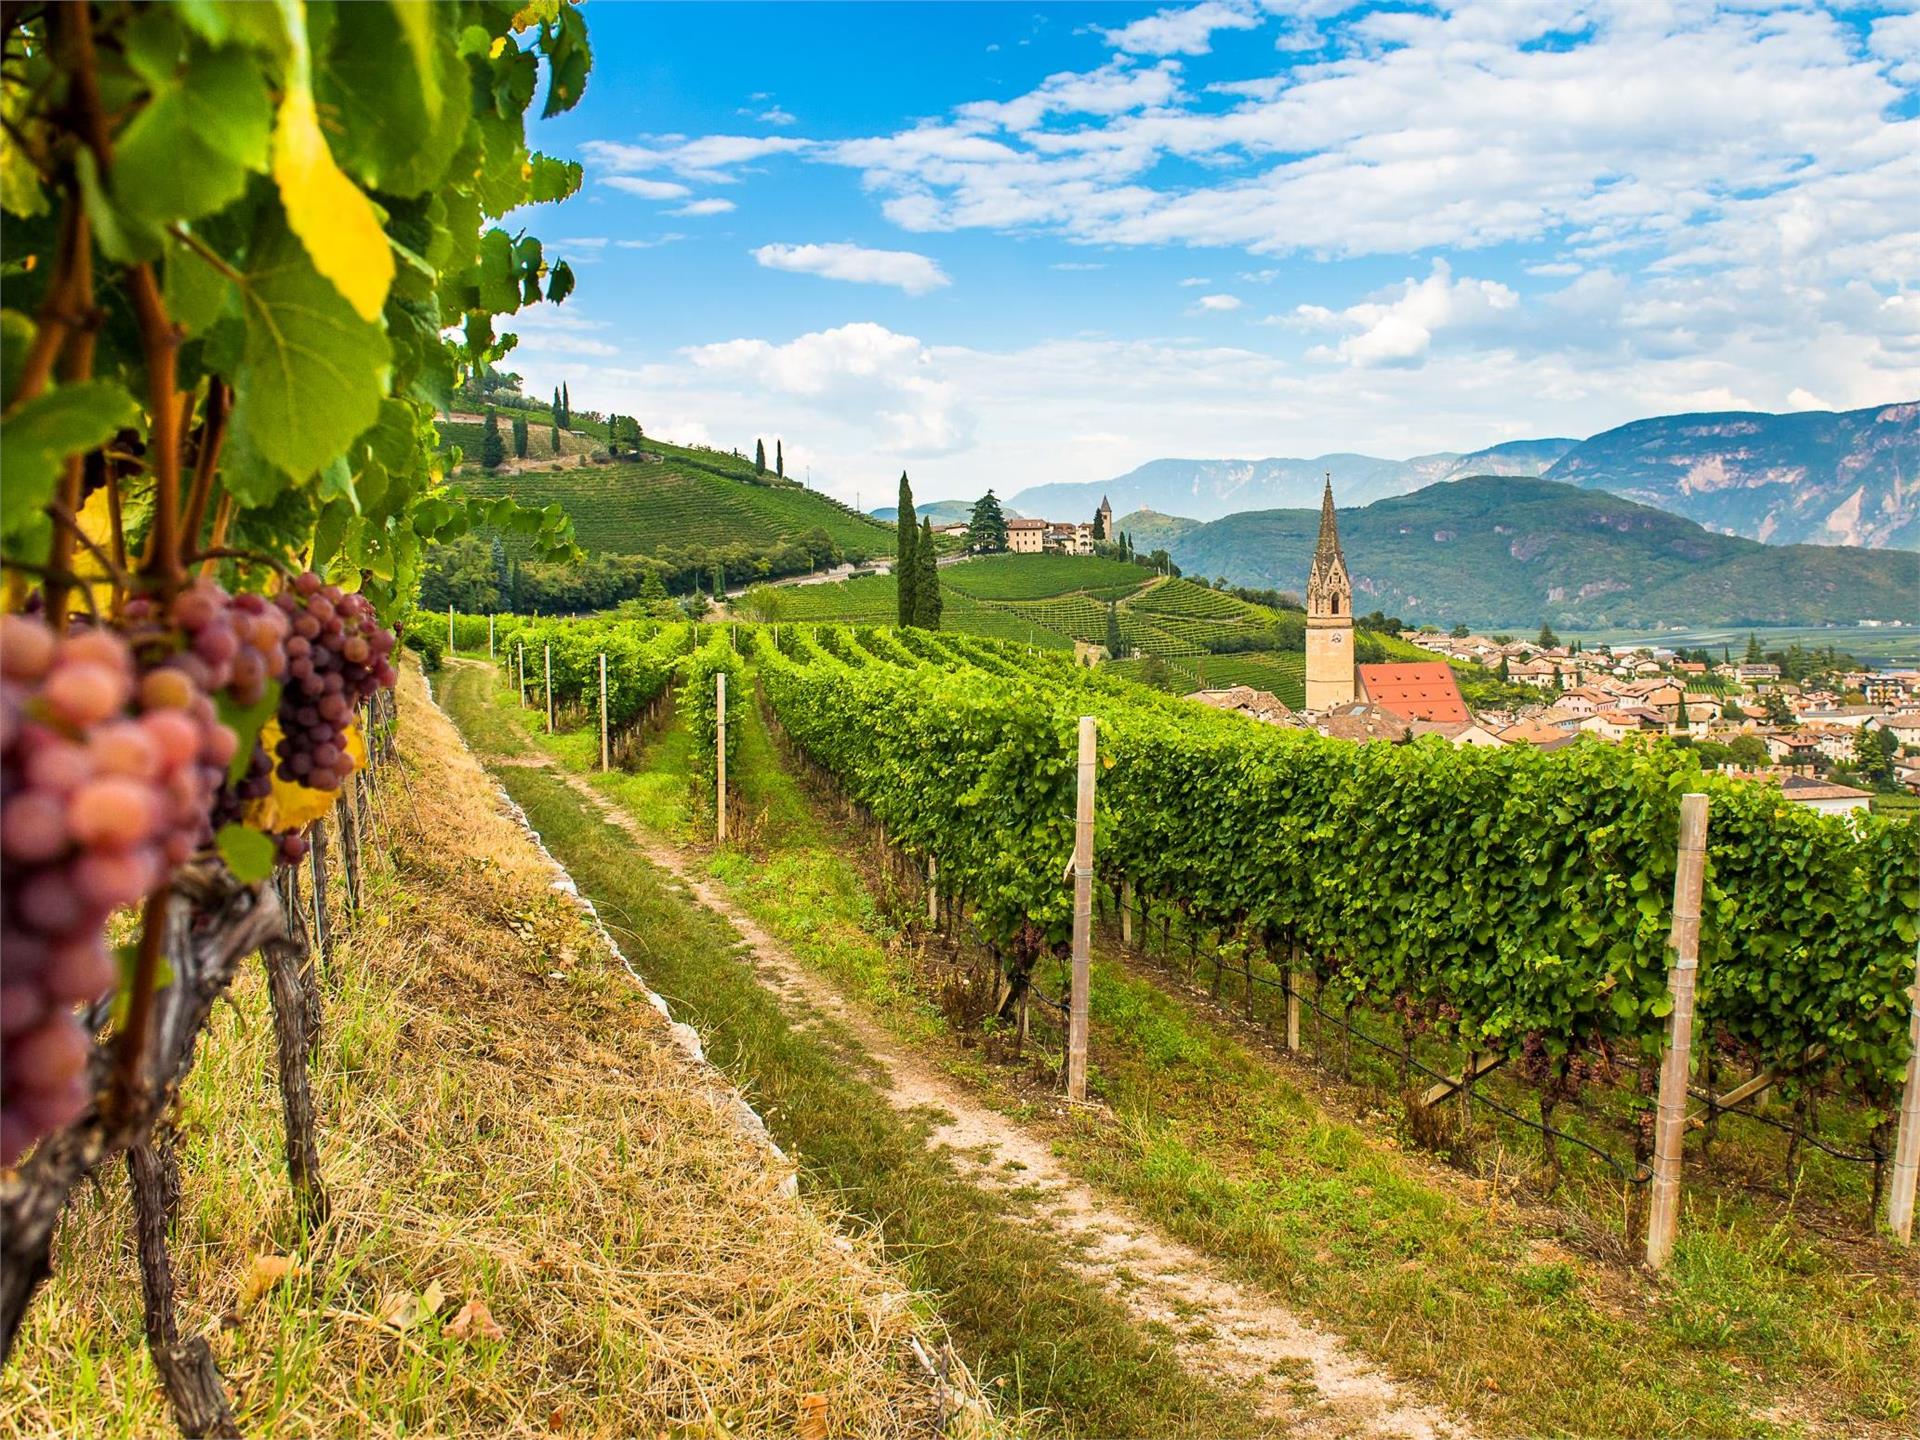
[(1906, 1149), (1126, 912), (451, 648), (604, 765), (489, 637), (549, 650), (720, 752), (1082, 915), (933, 891), (1670, 1123)]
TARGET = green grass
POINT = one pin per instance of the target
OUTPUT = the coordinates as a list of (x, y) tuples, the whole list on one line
[(1038, 577), (641, 508), (1035, 1334)]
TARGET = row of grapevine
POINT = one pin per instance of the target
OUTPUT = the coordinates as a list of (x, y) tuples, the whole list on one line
[(697, 696), (225, 345), (642, 658), (1511, 899)]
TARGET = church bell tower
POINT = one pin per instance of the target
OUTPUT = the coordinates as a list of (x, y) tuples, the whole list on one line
[(1329, 617)]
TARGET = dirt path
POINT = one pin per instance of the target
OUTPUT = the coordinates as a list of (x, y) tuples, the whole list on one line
[(1297, 1372)]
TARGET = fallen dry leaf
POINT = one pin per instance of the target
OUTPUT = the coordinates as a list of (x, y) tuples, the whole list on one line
[(813, 1418), (266, 1272), (475, 1319), (402, 1310)]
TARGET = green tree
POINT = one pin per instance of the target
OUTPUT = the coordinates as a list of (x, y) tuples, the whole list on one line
[(555, 437), (1547, 639), (1755, 655), (759, 457), (493, 451), (1777, 711), (1680, 721), (520, 437), (1748, 751), (1502, 670), (987, 527), (1873, 751), (1115, 644), (906, 544), (779, 459), (566, 407), (1460, 631), (927, 603), (556, 407)]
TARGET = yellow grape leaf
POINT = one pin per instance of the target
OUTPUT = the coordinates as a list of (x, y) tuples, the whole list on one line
[(291, 805), (402, 1310), (333, 218), (266, 1272), (96, 523)]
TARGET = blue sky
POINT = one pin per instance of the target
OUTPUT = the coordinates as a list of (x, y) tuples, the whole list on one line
[(1002, 244)]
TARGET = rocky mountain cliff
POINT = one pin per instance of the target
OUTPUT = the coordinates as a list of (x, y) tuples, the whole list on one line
[(1848, 478), (1513, 551)]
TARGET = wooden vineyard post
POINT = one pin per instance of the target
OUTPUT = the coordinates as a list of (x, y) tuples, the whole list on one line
[(1293, 998), (549, 688), (489, 637), (1082, 916), (720, 752), (604, 764), (1126, 912), (521, 652), (1670, 1123), (933, 891), (1906, 1149)]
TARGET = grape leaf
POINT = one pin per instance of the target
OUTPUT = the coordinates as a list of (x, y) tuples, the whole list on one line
[(313, 373), (248, 853), (190, 150), (334, 220), (245, 721), (35, 442)]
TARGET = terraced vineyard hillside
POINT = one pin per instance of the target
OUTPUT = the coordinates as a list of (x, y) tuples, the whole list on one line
[(676, 496), (1170, 627)]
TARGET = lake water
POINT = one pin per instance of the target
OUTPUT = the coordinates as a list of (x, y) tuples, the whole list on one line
[(1885, 647)]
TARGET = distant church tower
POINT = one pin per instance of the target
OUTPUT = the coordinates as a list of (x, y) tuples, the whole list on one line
[(1104, 524), (1329, 617)]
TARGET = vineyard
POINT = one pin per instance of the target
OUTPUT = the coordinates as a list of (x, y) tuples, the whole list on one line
[(642, 507), (1502, 907)]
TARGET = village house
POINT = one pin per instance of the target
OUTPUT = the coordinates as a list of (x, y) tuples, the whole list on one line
[(1267, 708), (1793, 748), (1824, 796), (1905, 726), (1026, 537), (1418, 689)]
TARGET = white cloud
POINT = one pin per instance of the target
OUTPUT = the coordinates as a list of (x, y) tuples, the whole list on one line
[(1398, 329), (1194, 280), (666, 239), (557, 330), (648, 189), (705, 207), (1218, 303), (903, 269), (709, 158), (1896, 39), (1187, 31), (1078, 265)]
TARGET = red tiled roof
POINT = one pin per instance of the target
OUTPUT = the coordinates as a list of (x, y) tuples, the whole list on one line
[(1417, 689)]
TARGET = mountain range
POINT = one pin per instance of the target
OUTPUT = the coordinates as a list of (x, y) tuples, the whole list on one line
[(1850, 478), (1512, 551)]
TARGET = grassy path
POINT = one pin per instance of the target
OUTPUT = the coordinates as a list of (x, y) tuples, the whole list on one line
[(1036, 1333)]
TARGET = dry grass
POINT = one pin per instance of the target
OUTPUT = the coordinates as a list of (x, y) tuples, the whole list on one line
[(505, 1119)]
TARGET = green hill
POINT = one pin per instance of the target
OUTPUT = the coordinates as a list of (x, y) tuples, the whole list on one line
[(1511, 551), (674, 497)]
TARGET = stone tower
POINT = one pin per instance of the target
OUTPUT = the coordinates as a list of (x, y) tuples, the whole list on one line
[(1329, 617), (1105, 513)]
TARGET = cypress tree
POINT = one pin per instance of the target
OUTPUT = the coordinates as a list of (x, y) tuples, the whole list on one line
[(492, 450), (556, 407), (1755, 655), (926, 581), (520, 437), (1114, 641), (760, 457), (556, 437), (905, 574), (566, 407), (779, 460)]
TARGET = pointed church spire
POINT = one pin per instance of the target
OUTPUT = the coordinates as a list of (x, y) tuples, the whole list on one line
[(1329, 591), (1329, 547)]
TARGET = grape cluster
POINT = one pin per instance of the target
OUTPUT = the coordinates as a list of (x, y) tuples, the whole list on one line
[(226, 644), (107, 777), (337, 657)]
